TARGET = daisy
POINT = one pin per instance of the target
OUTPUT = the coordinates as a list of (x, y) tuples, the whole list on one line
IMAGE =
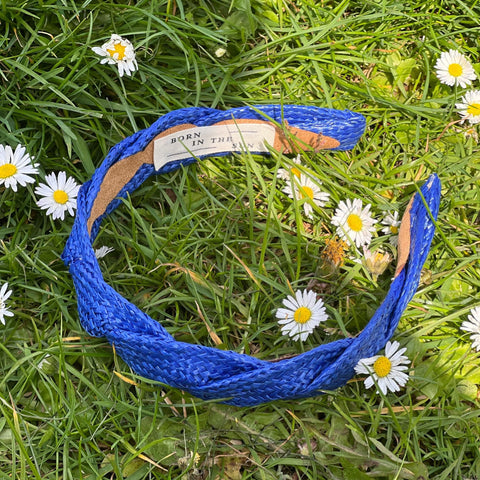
[(469, 132), (473, 326), (302, 314), (386, 371), (286, 173), (305, 189), (102, 251), (354, 223), (59, 194), (220, 52), (334, 252), (452, 68), (469, 107), (16, 167), (4, 311), (376, 262), (392, 224), (120, 51)]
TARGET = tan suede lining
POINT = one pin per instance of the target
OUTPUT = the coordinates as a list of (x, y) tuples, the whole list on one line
[(292, 140), (404, 239)]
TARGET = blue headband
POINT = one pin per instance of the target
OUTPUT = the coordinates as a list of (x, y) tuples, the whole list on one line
[(180, 138)]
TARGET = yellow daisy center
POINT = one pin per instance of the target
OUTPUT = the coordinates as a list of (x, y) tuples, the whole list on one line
[(296, 172), (302, 315), (394, 229), (354, 222), (7, 170), (117, 48), (455, 69), (474, 109), (60, 196), (382, 366), (307, 191)]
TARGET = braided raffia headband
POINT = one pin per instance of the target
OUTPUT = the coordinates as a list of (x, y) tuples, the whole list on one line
[(179, 138)]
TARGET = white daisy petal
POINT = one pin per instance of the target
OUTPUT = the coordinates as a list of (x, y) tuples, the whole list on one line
[(283, 313), (302, 315), (311, 299), (61, 180), (16, 167), (58, 196), (303, 336), (286, 173), (71, 206), (299, 297), (452, 68), (290, 302), (51, 180), (43, 189), (382, 385), (386, 371), (306, 190), (390, 385), (4, 295), (364, 365), (369, 383), (118, 51), (469, 107), (391, 224), (354, 223), (473, 326), (121, 68), (398, 355), (469, 327), (474, 316), (100, 51), (9, 151), (70, 185), (391, 347), (475, 342), (44, 202)]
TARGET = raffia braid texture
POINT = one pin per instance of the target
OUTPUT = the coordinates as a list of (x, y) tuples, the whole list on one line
[(345, 126), (228, 376)]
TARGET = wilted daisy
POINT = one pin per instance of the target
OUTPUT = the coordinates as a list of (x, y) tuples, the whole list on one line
[(334, 252), (302, 314), (4, 295), (286, 173), (220, 52), (305, 188), (392, 225), (16, 167), (120, 51), (59, 195), (473, 326), (469, 132), (102, 251), (386, 371), (452, 68), (354, 223), (376, 262), (469, 107)]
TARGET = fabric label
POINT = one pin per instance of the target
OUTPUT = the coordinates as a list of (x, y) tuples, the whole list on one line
[(200, 141)]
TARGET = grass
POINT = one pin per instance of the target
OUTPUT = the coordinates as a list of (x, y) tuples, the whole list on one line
[(212, 250)]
